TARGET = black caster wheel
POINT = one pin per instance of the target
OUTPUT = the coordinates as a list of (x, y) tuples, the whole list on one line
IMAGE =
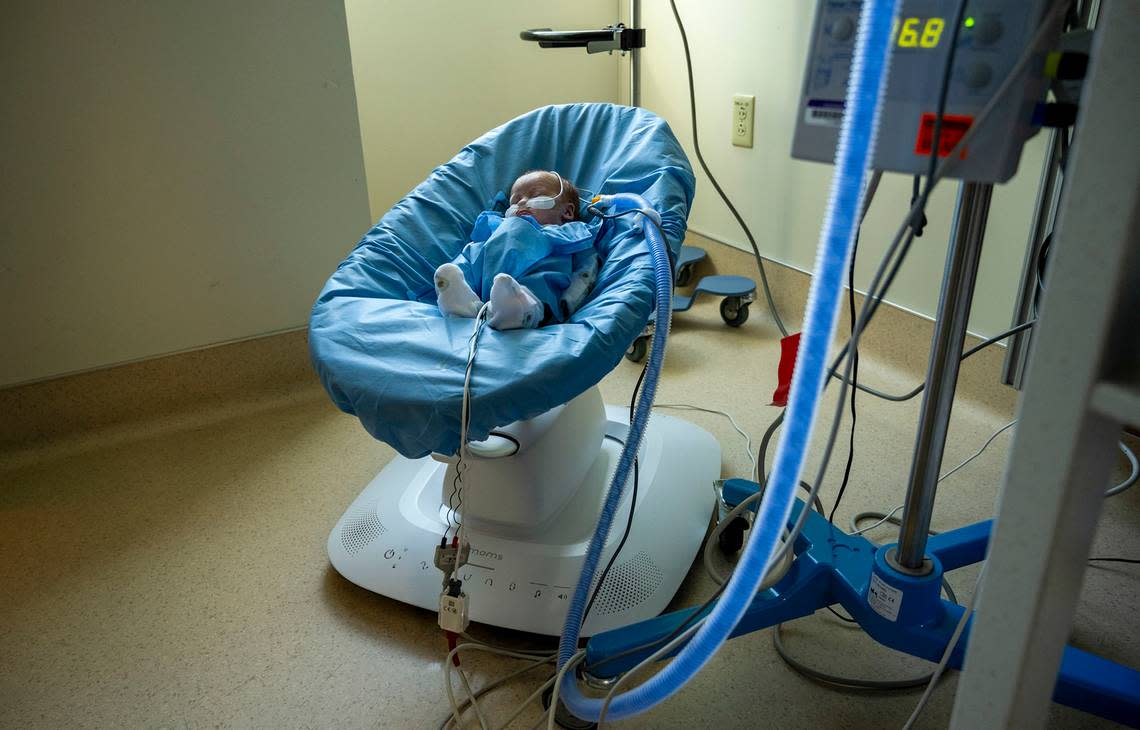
[(564, 717), (637, 350), (733, 311), (684, 275), (732, 538)]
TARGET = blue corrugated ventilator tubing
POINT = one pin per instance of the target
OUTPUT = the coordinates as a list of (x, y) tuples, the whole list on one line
[(853, 155)]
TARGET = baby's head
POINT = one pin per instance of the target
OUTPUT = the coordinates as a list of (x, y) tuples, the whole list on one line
[(542, 183)]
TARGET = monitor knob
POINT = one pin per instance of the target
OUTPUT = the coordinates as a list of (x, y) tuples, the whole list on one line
[(987, 31), (842, 29)]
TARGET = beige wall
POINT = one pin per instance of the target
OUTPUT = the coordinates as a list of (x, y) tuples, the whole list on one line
[(183, 174), (759, 48), (432, 75), (174, 175), (177, 175)]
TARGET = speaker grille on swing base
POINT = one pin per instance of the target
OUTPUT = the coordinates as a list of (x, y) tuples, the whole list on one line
[(628, 584), (361, 527)]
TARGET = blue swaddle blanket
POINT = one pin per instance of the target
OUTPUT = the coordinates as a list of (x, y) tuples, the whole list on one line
[(541, 258), (386, 354)]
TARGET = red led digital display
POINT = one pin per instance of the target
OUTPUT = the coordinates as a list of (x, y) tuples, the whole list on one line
[(954, 127)]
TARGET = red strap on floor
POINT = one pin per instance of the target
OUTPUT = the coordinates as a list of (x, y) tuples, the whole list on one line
[(789, 347), (452, 642)]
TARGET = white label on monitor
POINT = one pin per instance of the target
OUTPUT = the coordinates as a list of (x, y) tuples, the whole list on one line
[(884, 599), (824, 113)]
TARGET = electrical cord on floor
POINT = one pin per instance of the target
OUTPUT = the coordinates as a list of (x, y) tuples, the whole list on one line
[(852, 683), (838, 681), (568, 667), (735, 425), (922, 386), (858, 683), (762, 455), (472, 700), (672, 642), (483, 691), (884, 517), (1132, 475), (720, 191), (1132, 561), (901, 245), (713, 542), (841, 617), (542, 657), (765, 440), (978, 453), (525, 703)]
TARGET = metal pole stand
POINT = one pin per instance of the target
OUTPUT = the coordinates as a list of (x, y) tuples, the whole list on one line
[(898, 610), (961, 272)]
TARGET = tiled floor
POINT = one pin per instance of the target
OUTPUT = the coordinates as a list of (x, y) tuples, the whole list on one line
[(173, 574)]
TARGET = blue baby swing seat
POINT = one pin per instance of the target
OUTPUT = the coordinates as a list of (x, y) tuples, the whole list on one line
[(385, 353)]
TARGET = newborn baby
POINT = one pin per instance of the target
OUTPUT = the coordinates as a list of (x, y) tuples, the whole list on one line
[(535, 264)]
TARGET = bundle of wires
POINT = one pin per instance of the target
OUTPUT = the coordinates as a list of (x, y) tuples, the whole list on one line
[(881, 282)]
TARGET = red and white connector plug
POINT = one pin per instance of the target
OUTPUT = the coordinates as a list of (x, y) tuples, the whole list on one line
[(453, 616)]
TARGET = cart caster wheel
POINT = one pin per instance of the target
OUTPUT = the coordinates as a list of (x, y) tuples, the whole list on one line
[(684, 275), (563, 717), (733, 311), (637, 350), (732, 538)]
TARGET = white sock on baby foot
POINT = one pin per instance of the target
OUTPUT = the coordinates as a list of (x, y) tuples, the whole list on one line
[(513, 306), (455, 297)]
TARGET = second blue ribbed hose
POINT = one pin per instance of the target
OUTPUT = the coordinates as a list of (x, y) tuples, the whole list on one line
[(853, 155), (617, 204)]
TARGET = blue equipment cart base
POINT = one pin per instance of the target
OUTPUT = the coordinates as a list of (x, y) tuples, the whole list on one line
[(902, 611)]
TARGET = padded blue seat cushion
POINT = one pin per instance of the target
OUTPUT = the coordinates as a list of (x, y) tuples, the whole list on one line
[(385, 353)]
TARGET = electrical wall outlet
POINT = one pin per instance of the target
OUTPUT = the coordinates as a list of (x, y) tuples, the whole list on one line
[(743, 106)]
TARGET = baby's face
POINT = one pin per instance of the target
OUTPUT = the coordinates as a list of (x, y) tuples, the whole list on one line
[(535, 184)]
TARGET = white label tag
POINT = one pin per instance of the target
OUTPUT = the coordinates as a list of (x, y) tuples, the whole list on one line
[(824, 113), (884, 599), (824, 117)]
